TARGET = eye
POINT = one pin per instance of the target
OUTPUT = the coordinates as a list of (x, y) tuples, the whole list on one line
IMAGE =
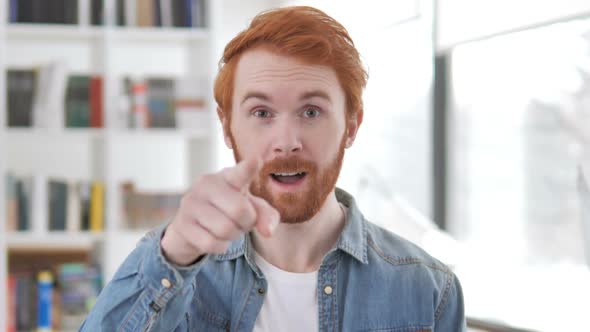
[(260, 113), (311, 112)]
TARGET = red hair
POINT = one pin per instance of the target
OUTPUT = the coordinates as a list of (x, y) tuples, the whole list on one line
[(302, 32)]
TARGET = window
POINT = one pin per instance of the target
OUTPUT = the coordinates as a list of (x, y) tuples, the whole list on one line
[(521, 110)]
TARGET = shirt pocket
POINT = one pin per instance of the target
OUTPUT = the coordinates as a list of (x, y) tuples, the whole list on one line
[(203, 321)]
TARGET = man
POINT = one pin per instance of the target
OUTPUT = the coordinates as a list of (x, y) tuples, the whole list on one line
[(271, 244)]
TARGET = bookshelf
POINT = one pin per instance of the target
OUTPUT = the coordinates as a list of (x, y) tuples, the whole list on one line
[(3, 247), (155, 159), (52, 31), (81, 241)]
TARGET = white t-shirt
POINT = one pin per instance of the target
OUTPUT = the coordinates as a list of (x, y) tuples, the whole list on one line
[(290, 303)]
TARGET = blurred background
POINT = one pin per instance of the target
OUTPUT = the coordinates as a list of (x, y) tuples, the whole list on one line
[(475, 142)]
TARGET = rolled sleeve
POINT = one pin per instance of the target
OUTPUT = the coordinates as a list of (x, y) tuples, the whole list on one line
[(147, 293)]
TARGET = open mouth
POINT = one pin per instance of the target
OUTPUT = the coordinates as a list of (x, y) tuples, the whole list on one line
[(288, 178)]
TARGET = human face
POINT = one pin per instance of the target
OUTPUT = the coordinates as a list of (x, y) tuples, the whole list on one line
[(292, 116)]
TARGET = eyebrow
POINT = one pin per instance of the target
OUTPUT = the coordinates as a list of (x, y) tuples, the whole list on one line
[(306, 95)]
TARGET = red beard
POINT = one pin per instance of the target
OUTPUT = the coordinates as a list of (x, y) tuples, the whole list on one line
[(303, 205)]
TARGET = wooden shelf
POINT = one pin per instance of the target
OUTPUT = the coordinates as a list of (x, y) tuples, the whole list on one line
[(52, 241)]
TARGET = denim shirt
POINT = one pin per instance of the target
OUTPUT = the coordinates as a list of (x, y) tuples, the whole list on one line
[(372, 280)]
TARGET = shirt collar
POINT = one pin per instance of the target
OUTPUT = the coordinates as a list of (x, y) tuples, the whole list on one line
[(352, 240)]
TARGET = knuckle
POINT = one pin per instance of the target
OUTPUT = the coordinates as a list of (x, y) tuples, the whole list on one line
[(227, 232), (241, 211), (235, 211)]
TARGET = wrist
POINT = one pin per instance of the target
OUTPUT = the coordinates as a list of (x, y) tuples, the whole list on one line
[(174, 252)]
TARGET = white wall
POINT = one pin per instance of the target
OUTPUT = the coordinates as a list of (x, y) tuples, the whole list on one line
[(463, 20)]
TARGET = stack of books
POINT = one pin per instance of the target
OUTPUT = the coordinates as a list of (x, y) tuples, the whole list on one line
[(71, 205), (73, 289), (161, 13), (146, 210), (47, 97)]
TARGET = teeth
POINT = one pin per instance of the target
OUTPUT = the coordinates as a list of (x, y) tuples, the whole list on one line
[(288, 174)]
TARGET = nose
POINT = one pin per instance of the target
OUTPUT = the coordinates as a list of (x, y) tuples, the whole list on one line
[(286, 140)]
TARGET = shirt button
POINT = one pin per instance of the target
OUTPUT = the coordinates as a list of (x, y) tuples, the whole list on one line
[(166, 283), (328, 290)]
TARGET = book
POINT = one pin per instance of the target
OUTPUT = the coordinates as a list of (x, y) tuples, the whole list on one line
[(97, 206), (77, 103), (178, 15), (166, 13), (11, 304), (38, 12), (23, 10), (13, 18), (39, 208), (23, 188), (131, 13), (74, 218), (198, 14), (140, 111), (96, 102), (162, 102), (25, 304), (45, 11), (188, 13), (44, 300), (160, 93), (84, 189), (123, 117), (157, 12), (20, 91), (79, 285), (58, 199), (86, 9), (97, 12), (70, 11), (51, 12), (55, 295), (48, 101), (11, 203), (121, 14), (145, 13), (146, 210)]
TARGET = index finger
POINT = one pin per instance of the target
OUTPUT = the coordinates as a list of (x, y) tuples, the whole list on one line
[(240, 176)]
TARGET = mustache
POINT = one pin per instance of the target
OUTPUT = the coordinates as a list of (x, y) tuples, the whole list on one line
[(288, 165)]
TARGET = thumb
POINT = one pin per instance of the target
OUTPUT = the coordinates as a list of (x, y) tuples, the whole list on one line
[(267, 216)]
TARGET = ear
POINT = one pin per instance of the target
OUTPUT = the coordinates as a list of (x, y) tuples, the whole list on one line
[(224, 119), (352, 126)]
